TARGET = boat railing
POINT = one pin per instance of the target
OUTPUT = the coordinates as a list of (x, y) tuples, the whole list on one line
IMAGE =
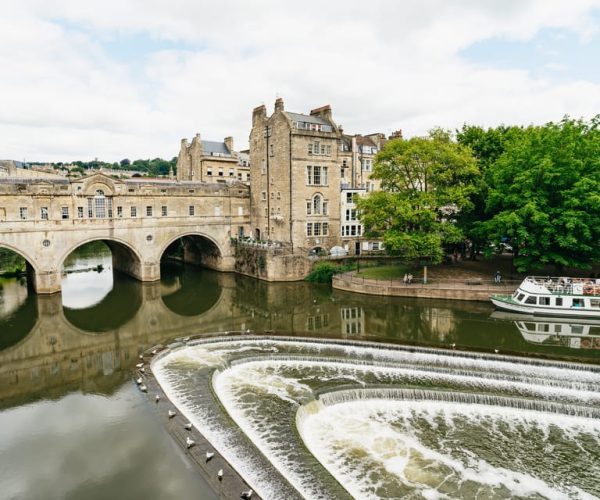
[(563, 285)]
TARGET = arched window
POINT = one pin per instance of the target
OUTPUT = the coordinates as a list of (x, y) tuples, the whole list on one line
[(100, 204), (317, 202)]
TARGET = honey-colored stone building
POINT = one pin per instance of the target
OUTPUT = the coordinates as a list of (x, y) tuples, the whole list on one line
[(210, 161)]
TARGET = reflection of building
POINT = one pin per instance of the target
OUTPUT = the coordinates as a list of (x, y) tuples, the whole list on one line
[(353, 320)]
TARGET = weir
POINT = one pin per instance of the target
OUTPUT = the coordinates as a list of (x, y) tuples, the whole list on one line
[(272, 388)]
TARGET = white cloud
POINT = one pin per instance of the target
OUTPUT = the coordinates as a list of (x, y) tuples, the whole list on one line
[(382, 66)]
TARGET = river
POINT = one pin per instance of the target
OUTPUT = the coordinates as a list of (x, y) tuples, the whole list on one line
[(73, 425)]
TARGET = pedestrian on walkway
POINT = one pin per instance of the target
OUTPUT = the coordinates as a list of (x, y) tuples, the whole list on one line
[(497, 278), (405, 279)]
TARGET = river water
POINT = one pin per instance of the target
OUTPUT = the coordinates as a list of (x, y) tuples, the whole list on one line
[(73, 425)]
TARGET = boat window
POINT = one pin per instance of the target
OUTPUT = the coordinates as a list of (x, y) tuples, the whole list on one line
[(577, 329), (595, 303), (532, 299), (557, 328), (544, 301), (577, 302), (544, 327), (559, 301), (530, 327), (520, 298)]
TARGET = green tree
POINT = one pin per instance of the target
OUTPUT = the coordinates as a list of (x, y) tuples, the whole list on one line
[(487, 146), (544, 194), (426, 182)]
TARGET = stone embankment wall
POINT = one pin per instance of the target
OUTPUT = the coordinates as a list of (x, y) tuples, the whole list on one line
[(454, 290), (270, 264)]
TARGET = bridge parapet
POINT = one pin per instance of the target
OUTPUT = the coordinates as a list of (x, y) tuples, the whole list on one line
[(138, 220)]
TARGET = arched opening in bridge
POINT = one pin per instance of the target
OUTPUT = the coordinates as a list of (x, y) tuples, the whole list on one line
[(14, 266), (189, 290), (93, 269), (193, 249), (18, 305)]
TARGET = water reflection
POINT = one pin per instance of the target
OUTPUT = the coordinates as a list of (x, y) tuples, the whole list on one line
[(44, 345), (569, 333), (18, 311), (86, 281), (188, 291)]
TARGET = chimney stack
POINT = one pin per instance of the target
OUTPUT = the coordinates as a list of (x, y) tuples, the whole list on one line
[(278, 104), (229, 143)]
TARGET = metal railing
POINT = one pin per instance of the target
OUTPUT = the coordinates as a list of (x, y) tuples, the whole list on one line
[(484, 285)]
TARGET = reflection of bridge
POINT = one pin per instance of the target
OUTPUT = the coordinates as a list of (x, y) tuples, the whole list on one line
[(56, 353), (45, 219)]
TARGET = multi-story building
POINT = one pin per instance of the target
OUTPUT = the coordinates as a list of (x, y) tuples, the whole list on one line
[(209, 161), (306, 176), (295, 172)]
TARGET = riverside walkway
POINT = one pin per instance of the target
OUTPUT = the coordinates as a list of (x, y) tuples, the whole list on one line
[(458, 289)]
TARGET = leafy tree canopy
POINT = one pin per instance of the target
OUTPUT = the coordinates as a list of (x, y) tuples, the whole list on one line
[(425, 183), (544, 194)]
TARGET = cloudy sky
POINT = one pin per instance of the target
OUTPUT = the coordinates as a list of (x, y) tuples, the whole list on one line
[(117, 79)]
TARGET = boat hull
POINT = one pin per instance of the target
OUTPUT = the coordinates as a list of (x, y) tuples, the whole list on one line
[(544, 311)]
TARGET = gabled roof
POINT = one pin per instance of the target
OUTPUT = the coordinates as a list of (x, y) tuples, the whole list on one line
[(211, 147)]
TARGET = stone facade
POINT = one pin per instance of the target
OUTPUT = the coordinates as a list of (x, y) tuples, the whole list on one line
[(45, 219), (210, 161), (303, 167), (295, 173)]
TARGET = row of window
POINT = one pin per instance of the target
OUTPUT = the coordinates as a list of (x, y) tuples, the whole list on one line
[(317, 127), (221, 173), (103, 210), (316, 175), (351, 230), (558, 301), (263, 195), (317, 148), (317, 228)]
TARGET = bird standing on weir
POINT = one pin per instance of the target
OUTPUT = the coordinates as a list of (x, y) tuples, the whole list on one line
[(171, 413), (209, 455)]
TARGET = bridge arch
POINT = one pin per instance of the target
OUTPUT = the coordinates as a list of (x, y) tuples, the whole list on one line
[(125, 257), (31, 268), (198, 248)]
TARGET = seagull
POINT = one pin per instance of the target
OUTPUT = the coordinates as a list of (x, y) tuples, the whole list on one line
[(171, 413), (139, 365), (453, 346), (186, 339), (189, 442), (247, 494), (143, 370), (139, 381), (220, 474), (188, 426), (496, 351), (141, 356), (154, 351), (143, 388), (209, 455), (157, 398)]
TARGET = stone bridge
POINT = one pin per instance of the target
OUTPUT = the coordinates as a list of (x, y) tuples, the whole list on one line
[(45, 218)]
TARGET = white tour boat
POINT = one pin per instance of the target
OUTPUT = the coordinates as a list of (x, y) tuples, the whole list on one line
[(549, 296)]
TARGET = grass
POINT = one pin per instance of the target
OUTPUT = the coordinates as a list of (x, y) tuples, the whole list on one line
[(384, 272)]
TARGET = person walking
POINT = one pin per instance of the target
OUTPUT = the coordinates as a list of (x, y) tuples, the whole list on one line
[(405, 279), (410, 278), (497, 278)]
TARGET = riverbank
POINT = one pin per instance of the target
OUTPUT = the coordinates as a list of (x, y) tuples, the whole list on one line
[(231, 484), (475, 288)]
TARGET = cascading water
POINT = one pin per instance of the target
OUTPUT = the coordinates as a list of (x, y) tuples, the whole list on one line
[(332, 419)]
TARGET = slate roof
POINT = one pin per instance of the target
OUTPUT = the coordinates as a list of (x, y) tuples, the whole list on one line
[(298, 117), (211, 147)]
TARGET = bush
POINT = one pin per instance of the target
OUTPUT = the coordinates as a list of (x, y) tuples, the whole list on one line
[(323, 272)]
